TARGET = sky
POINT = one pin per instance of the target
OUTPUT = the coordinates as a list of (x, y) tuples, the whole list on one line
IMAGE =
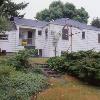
[(91, 6)]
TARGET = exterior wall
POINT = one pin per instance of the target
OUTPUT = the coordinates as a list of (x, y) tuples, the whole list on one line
[(10, 44), (90, 41), (62, 45), (46, 42), (39, 39)]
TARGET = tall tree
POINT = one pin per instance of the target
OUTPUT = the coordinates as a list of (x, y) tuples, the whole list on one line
[(59, 10), (69, 10), (81, 15), (4, 24), (96, 22), (9, 9)]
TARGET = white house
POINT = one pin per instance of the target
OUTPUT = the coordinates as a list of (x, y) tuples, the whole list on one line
[(51, 38)]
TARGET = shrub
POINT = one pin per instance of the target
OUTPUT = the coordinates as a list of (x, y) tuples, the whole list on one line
[(90, 71), (72, 69), (15, 85), (81, 55), (20, 60), (83, 64), (57, 63)]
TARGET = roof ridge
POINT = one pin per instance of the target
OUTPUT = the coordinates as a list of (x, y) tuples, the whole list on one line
[(31, 19), (30, 22), (74, 23)]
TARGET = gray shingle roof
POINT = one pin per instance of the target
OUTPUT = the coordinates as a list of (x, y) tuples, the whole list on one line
[(64, 21), (30, 22)]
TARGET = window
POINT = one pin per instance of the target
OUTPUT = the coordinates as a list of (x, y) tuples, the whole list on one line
[(46, 33), (46, 30), (29, 40), (65, 34), (40, 52), (22, 36), (29, 34), (83, 35), (98, 38), (39, 32), (3, 37)]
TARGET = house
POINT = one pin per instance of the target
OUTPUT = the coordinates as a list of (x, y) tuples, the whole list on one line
[(51, 38)]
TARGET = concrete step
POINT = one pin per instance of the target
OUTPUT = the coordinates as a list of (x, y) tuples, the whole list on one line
[(50, 73)]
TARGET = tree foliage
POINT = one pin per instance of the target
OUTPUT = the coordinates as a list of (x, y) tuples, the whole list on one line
[(84, 65), (96, 22), (9, 9), (4, 24), (59, 10), (20, 60)]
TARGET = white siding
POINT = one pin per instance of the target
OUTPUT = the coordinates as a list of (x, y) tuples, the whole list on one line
[(46, 44), (39, 40), (10, 44), (90, 41)]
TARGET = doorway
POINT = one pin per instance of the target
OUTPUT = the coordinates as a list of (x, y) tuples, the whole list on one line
[(29, 40)]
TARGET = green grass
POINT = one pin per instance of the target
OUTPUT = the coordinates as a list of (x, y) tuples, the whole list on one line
[(69, 88), (3, 59), (38, 60), (32, 60)]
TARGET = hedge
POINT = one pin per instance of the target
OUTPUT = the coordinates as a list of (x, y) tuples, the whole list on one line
[(84, 65)]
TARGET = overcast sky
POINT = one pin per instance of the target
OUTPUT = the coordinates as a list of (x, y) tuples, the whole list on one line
[(91, 6)]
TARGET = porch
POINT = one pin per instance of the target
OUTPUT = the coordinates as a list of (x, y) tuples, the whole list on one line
[(27, 37)]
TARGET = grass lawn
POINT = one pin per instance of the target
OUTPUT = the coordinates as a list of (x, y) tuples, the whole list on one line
[(69, 88), (38, 60), (4, 58)]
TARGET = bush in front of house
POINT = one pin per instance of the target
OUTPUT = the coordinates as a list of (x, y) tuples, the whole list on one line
[(16, 85), (84, 65), (81, 55), (20, 59), (57, 63)]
